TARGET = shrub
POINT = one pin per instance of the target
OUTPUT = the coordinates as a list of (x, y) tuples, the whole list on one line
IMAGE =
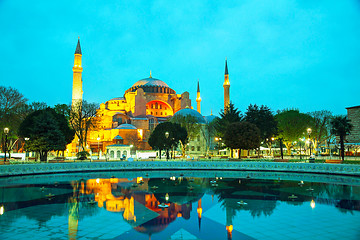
[(82, 155)]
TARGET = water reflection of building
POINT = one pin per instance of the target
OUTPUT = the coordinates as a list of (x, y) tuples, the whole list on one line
[(139, 207)]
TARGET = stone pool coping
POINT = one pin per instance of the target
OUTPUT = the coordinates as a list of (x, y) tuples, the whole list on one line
[(59, 168)]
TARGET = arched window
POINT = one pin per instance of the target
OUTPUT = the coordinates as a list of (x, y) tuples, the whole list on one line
[(125, 153), (111, 154), (118, 154)]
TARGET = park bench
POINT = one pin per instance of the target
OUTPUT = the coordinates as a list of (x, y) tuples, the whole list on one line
[(337, 161)]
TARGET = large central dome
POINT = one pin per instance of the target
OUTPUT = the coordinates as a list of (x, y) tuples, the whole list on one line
[(150, 82)]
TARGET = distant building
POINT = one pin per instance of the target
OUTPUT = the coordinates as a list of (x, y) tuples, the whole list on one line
[(353, 114)]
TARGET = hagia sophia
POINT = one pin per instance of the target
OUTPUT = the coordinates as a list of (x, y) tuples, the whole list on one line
[(126, 122)]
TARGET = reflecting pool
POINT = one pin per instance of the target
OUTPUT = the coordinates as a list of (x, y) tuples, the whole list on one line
[(175, 205)]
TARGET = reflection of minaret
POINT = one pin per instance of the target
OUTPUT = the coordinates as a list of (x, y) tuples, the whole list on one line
[(198, 98), (229, 225), (77, 76), (73, 219), (226, 86), (199, 211)]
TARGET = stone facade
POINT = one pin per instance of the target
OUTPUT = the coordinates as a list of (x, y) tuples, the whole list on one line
[(353, 114)]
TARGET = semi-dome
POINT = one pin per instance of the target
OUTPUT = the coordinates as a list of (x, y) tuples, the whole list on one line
[(191, 112), (126, 126), (150, 82)]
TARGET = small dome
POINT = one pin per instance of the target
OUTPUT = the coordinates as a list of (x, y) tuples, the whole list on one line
[(118, 137), (150, 82), (210, 118), (126, 126), (192, 112)]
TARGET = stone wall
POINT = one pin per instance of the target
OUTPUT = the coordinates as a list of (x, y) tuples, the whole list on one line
[(148, 166), (354, 117)]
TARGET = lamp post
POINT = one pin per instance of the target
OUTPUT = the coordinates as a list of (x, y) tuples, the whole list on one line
[(217, 139), (301, 140), (309, 133), (98, 139), (167, 150), (26, 139), (6, 131), (272, 139)]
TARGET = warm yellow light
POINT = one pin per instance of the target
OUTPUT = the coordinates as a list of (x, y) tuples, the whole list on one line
[(98, 180), (272, 139), (2, 210), (140, 133), (312, 204), (6, 130), (216, 139), (309, 131), (229, 228), (167, 197)]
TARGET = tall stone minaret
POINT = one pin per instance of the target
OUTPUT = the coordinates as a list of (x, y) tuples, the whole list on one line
[(226, 86), (198, 98), (77, 91)]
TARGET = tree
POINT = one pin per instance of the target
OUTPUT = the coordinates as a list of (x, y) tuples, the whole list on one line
[(63, 109), (166, 136), (12, 108), (292, 125), (192, 127), (242, 135), (264, 119), (320, 127), (209, 132), (47, 131), (228, 116), (341, 126), (83, 118)]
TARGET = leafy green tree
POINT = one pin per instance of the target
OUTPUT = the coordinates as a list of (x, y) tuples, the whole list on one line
[(242, 135), (341, 126), (228, 116), (292, 125), (166, 136), (83, 118), (192, 127), (47, 131), (264, 119), (63, 109)]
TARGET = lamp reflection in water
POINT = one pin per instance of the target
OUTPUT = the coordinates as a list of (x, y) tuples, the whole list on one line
[(312, 204)]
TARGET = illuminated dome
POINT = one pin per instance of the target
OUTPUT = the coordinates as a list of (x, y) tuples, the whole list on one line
[(150, 82), (151, 85), (192, 112)]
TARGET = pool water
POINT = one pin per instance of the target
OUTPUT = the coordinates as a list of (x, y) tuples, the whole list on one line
[(177, 207)]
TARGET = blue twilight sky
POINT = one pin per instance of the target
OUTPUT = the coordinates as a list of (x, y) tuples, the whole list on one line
[(301, 54)]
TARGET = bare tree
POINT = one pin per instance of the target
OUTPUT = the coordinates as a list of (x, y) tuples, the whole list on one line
[(83, 118)]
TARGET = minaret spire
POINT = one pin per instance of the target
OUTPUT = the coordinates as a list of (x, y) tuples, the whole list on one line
[(77, 76), (78, 48), (198, 98), (226, 86)]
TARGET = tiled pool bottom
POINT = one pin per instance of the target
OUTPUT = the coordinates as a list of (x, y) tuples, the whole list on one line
[(118, 208)]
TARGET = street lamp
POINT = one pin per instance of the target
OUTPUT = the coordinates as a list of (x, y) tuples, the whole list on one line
[(309, 133), (167, 150), (218, 139), (26, 139), (98, 139), (6, 131), (301, 140)]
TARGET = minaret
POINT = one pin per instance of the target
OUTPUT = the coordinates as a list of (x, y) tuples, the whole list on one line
[(226, 86), (198, 98), (77, 78)]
